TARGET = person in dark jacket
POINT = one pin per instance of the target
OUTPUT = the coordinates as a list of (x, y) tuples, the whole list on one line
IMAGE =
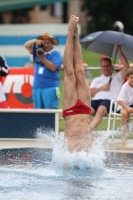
[(3, 72)]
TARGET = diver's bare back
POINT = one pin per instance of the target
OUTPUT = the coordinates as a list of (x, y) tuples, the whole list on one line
[(77, 131)]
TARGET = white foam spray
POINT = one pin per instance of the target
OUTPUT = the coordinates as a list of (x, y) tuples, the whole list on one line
[(82, 160), (62, 158)]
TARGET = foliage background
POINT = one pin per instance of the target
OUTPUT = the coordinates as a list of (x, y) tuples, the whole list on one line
[(103, 13)]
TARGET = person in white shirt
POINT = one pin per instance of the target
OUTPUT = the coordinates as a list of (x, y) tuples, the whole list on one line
[(125, 101), (106, 87)]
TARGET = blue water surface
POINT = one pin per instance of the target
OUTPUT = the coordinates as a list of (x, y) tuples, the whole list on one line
[(32, 173)]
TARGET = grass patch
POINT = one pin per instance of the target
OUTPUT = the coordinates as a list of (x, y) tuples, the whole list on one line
[(91, 58)]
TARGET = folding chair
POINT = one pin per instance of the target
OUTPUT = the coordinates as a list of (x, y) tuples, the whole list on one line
[(114, 116)]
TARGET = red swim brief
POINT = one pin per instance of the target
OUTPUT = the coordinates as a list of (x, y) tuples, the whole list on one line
[(78, 108)]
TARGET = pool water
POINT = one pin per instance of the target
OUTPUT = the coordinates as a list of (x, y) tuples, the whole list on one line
[(35, 174)]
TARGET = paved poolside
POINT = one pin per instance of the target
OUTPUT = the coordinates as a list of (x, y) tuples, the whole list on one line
[(110, 145), (116, 146)]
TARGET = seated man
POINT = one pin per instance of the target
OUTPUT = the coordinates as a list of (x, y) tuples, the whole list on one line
[(106, 88), (76, 94)]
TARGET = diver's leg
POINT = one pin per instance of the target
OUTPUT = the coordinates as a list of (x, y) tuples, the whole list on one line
[(69, 89), (81, 81)]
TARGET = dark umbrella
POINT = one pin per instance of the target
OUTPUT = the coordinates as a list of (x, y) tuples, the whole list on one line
[(104, 42)]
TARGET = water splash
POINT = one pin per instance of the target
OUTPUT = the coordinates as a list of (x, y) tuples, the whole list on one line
[(62, 158), (44, 133), (94, 159)]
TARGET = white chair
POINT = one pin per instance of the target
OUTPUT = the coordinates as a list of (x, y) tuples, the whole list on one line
[(114, 116)]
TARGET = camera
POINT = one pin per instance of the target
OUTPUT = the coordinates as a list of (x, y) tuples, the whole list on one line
[(41, 49)]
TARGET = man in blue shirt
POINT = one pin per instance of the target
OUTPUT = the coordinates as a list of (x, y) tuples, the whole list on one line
[(47, 71)]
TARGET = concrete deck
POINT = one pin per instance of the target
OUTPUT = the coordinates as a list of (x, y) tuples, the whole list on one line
[(24, 143), (110, 145), (116, 146)]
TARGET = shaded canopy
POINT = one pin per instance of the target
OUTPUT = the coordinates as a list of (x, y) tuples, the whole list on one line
[(7, 5)]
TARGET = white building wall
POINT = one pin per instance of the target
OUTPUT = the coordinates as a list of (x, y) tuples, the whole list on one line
[(13, 37)]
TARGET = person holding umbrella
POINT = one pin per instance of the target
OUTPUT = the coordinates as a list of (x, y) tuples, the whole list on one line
[(106, 88)]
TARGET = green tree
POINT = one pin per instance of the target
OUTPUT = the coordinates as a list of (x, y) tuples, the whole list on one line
[(103, 14)]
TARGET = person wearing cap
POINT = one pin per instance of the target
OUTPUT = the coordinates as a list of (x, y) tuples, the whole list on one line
[(46, 85), (3, 72), (106, 88)]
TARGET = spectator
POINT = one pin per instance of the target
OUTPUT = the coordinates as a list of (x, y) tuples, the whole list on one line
[(84, 64), (106, 87), (76, 94), (46, 86), (3, 72), (125, 101)]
